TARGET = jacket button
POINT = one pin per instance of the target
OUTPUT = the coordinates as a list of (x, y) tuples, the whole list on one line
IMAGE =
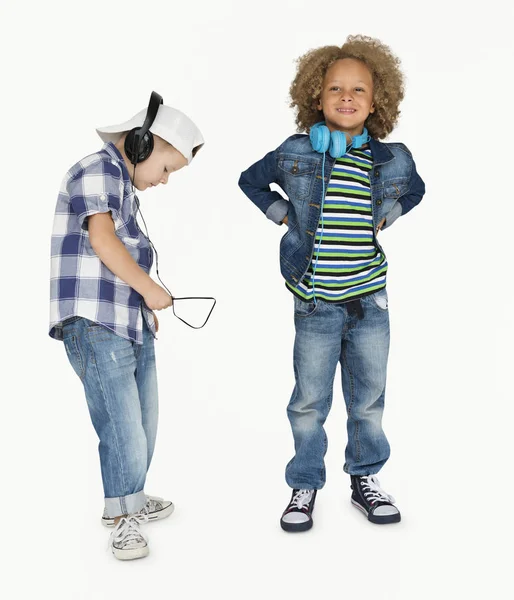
[(379, 202), (377, 173)]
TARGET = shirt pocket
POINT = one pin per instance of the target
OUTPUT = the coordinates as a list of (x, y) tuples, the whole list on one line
[(298, 177), (130, 234), (127, 228)]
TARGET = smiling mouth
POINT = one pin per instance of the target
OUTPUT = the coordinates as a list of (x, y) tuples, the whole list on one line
[(346, 111)]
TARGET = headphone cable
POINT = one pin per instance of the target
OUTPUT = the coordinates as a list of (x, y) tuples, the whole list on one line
[(154, 249)]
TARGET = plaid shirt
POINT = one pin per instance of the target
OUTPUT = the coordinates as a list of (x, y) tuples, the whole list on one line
[(80, 284)]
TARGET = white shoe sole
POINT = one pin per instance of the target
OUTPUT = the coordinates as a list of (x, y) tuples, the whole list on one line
[(156, 516), (131, 554), (385, 520)]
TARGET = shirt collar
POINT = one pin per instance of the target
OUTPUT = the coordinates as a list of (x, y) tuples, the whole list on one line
[(114, 153)]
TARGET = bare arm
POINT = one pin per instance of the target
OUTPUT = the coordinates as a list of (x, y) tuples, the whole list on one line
[(116, 257)]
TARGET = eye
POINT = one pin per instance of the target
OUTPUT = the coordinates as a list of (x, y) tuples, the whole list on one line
[(334, 88), (359, 89)]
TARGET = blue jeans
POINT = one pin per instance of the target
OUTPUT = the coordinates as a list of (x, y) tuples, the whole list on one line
[(120, 382), (325, 335)]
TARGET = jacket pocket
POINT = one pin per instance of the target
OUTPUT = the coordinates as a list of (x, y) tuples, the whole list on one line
[(395, 188), (290, 242), (298, 176)]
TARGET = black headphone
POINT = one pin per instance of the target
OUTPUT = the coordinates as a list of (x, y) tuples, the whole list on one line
[(138, 147), (139, 141)]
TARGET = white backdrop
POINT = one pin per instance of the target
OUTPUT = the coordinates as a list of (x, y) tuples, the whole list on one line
[(224, 438)]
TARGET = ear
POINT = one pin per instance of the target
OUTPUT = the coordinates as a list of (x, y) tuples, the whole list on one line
[(372, 108)]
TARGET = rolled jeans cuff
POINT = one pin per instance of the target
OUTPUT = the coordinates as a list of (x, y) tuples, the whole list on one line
[(125, 505)]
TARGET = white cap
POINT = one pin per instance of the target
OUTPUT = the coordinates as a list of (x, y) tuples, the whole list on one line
[(170, 124)]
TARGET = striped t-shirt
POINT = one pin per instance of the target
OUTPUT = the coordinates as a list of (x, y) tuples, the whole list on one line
[(350, 265)]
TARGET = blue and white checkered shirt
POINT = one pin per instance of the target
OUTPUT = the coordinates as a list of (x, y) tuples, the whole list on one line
[(80, 284)]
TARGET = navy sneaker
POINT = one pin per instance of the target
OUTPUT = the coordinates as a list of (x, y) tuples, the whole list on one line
[(298, 514), (370, 498)]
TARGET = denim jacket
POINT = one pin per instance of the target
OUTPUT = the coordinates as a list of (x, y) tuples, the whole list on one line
[(396, 188)]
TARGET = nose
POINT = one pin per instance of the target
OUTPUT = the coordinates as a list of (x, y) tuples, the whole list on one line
[(164, 178), (346, 96)]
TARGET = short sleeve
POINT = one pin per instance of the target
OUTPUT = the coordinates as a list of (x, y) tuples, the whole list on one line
[(95, 189)]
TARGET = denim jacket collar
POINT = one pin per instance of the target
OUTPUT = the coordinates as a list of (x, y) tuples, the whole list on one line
[(380, 152)]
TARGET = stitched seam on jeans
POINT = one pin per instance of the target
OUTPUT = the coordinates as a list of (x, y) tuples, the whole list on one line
[(357, 442), (123, 482), (350, 376), (137, 350), (350, 406), (145, 365), (328, 401), (75, 349)]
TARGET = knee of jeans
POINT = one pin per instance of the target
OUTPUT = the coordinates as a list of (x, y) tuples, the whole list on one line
[(304, 419), (131, 437), (137, 452), (370, 411)]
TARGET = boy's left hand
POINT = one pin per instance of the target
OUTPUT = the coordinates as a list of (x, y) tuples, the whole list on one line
[(381, 224)]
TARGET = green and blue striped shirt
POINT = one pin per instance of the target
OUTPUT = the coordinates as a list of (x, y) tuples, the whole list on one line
[(349, 264)]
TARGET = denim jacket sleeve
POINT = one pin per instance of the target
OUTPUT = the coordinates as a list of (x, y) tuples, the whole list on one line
[(410, 199), (255, 183)]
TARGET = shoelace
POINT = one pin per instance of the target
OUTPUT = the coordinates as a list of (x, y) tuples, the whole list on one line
[(127, 534), (375, 493), (300, 499), (153, 504)]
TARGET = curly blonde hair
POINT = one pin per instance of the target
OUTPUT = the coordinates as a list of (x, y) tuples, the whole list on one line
[(388, 82)]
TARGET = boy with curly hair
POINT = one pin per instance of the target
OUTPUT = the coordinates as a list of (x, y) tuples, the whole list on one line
[(343, 186)]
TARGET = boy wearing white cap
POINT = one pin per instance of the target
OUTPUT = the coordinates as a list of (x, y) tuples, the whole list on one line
[(102, 303)]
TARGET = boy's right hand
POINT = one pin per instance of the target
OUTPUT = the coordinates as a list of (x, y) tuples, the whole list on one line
[(285, 220), (157, 298)]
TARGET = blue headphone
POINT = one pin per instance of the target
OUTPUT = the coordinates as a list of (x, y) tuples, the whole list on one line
[(322, 139)]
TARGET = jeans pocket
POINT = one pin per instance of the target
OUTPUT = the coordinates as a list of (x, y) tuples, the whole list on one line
[(381, 300), (304, 309), (92, 323), (74, 356)]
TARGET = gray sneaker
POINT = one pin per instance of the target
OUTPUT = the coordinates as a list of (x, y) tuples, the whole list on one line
[(155, 509), (127, 542)]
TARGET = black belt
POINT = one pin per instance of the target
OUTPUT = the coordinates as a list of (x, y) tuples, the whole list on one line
[(354, 307)]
